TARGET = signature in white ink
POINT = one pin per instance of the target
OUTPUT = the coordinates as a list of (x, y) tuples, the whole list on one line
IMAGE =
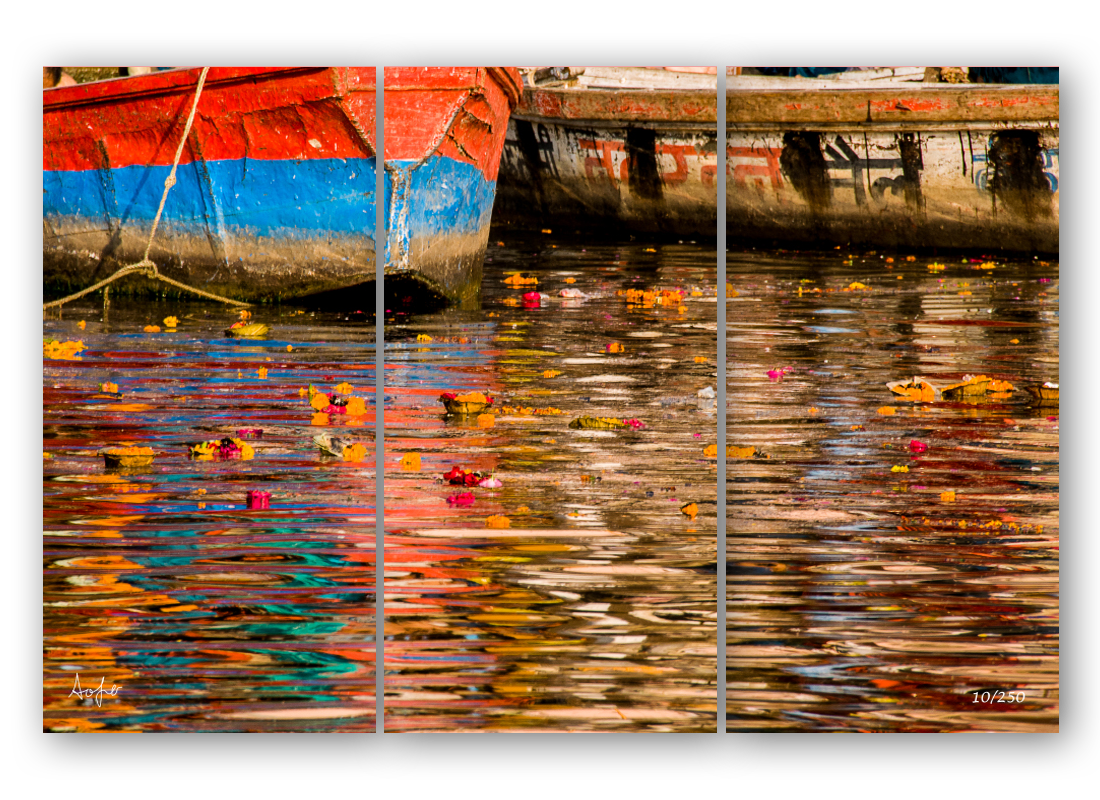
[(97, 693)]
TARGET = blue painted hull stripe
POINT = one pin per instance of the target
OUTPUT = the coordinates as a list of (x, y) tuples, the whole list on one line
[(285, 199)]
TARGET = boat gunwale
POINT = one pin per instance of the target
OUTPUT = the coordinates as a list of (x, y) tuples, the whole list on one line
[(167, 82), (967, 105)]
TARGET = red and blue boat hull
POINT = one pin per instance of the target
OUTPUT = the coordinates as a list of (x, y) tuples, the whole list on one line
[(444, 134), (275, 189)]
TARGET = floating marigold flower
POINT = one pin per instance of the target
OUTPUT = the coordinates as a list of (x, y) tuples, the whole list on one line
[(497, 521), (344, 388), (246, 314), (170, 322), (936, 267), (410, 462), (711, 451), (82, 324), (320, 418), (691, 510), (262, 372), (910, 258), (917, 391), (700, 359), (290, 348), (614, 347), (109, 388), (570, 280), (947, 497), (320, 401), (518, 280), (815, 410), (740, 452), (887, 411), (151, 329), (356, 407), (355, 452), (899, 468), (62, 351), (551, 373), (855, 286)]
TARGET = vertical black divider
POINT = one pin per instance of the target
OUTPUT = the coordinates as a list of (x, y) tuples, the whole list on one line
[(721, 407), (380, 425)]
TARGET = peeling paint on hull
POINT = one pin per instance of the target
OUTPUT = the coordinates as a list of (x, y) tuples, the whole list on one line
[(645, 161), (444, 134), (970, 168), (907, 165), (275, 192)]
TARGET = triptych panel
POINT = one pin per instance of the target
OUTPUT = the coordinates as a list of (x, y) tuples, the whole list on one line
[(473, 484)]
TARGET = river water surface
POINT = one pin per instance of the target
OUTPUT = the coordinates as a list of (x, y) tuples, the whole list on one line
[(595, 609), (861, 593), (159, 580)]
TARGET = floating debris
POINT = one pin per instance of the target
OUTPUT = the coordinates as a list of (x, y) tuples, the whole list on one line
[(62, 351), (222, 449), (247, 330), (597, 423), (468, 403), (128, 457), (258, 500)]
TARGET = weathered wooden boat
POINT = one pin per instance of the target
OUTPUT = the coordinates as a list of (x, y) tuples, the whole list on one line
[(275, 191), (614, 149), (875, 158), (444, 132), (892, 163)]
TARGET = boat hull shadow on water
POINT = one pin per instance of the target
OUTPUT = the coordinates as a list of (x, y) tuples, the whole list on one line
[(275, 190)]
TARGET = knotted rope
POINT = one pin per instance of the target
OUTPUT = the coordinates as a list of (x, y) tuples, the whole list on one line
[(145, 266)]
